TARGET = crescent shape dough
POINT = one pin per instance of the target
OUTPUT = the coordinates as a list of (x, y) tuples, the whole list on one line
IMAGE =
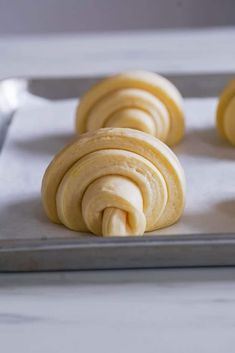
[(139, 100), (114, 181), (225, 116)]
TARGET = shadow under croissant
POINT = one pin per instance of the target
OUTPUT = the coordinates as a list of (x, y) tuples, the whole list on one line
[(213, 220), (32, 209), (227, 207), (32, 216), (205, 143), (48, 144)]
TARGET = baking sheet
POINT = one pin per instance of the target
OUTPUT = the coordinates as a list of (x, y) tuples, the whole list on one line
[(41, 128)]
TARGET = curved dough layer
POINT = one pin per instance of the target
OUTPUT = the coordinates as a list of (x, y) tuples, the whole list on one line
[(114, 181), (139, 100), (225, 117)]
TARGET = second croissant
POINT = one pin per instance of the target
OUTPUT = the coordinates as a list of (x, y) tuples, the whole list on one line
[(139, 100)]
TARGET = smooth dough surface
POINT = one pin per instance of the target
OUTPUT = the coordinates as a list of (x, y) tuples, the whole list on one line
[(139, 100), (114, 181), (225, 117)]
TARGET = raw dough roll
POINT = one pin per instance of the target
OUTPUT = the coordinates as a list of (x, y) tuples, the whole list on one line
[(139, 100), (114, 181), (226, 113)]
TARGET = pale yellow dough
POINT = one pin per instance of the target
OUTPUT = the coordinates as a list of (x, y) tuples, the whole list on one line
[(139, 100), (114, 181), (225, 117)]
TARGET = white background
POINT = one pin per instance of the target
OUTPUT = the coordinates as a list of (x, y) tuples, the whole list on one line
[(42, 16)]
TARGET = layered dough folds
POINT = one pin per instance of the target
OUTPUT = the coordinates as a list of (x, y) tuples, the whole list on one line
[(226, 113), (114, 181), (139, 100)]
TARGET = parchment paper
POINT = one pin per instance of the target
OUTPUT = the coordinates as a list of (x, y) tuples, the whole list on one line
[(40, 129)]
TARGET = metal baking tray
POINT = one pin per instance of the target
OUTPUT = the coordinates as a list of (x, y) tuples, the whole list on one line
[(110, 253)]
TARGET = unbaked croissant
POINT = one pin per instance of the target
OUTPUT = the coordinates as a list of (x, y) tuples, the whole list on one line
[(114, 181), (226, 113), (139, 100)]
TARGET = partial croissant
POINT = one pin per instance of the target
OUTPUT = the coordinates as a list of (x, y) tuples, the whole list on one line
[(225, 117), (139, 100), (114, 181)]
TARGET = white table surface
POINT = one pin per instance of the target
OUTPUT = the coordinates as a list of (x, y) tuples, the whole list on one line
[(175, 310)]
